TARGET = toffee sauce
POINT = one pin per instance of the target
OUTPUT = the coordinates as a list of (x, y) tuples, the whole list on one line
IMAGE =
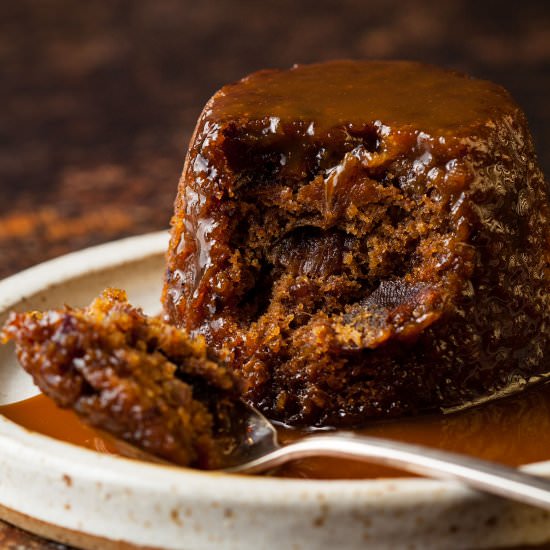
[(514, 430)]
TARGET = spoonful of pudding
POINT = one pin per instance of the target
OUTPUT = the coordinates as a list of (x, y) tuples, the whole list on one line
[(145, 382)]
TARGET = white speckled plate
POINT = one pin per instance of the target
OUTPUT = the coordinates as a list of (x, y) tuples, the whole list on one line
[(100, 501)]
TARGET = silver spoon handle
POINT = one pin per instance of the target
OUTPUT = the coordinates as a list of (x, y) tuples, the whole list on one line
[(478, 474)]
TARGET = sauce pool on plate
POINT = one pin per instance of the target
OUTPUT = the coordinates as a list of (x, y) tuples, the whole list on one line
[(514, 430)]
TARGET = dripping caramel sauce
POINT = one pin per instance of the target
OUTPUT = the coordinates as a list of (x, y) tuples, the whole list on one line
[(514, 430)]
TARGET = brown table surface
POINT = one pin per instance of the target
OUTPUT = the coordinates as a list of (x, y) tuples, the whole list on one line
[(99, 98)]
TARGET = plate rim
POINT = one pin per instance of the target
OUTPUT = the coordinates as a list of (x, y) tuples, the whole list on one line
[(239, 489)]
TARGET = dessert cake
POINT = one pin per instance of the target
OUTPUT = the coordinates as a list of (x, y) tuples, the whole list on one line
[(362, 240), (134, 376)]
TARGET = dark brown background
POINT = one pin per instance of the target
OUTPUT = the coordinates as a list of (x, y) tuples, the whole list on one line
[(99, 98)]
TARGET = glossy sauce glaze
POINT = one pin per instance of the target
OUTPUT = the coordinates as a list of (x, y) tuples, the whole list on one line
[(324, 96), (513, 431)]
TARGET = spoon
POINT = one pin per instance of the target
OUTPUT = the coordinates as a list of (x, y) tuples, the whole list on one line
[(256, 449)]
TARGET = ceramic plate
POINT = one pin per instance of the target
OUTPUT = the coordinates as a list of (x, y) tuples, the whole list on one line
[(92, 500)]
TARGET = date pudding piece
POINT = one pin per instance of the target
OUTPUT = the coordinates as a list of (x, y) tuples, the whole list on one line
[(363, 239), (136, 377)]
